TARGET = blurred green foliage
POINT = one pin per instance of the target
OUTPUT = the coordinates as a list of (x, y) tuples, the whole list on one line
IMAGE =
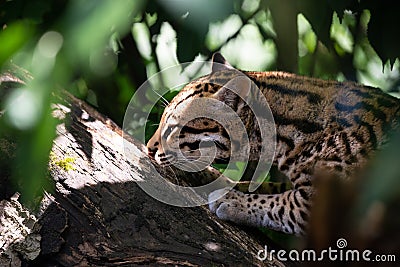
[(102, 51), (61, 44)]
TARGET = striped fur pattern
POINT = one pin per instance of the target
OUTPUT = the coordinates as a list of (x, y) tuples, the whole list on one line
[(322, 126)]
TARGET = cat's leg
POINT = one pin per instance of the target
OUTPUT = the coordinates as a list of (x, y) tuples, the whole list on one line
[(264, 187), (286, 212)]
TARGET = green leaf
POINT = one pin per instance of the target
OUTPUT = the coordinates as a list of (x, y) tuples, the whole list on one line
[(13, 38), (319, 14), (191, 20)]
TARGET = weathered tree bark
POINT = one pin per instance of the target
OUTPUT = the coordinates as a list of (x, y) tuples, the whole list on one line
[(99, 216)]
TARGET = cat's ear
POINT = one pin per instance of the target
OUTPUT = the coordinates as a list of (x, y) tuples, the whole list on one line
[(230, 92), (219, 63)]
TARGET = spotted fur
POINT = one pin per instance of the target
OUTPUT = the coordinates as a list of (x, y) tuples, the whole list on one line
[(321, 127)]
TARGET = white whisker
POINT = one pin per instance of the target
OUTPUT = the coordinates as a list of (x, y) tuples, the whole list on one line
[(164, 101), (176, 178)]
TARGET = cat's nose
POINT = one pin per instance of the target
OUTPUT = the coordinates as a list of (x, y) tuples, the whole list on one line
[(151, 152)]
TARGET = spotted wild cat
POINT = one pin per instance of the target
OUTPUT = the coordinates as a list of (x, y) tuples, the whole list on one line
[(328, 126)]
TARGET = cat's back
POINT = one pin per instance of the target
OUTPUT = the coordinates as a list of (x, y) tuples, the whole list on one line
[(341, 123), (326, 102)]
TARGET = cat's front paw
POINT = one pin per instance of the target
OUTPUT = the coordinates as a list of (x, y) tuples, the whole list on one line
[(226, 204), (216, 197)]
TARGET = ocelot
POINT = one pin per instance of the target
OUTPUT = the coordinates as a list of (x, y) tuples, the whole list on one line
[(321, 126)]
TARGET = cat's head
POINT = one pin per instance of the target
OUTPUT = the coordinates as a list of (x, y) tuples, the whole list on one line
[(186, 131)]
